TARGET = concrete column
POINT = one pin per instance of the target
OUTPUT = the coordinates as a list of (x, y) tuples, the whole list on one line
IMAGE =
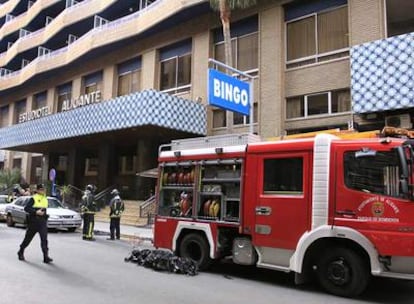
[(27, 157), (26, 166), (147, 152), (106, 166), (75, 166), (149, 72), (7, 159), (29, 103), (9, 154), (45, 168), (271, 66), (77, 87), (12, 110), (201, 53), (369, 15), (109, 83), (50, 100)]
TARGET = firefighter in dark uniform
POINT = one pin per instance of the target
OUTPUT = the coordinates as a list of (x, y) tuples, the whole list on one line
[(88, 209), (116, 206), (36, 223)]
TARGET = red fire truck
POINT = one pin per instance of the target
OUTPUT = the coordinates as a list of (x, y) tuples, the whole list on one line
[(338, 210)]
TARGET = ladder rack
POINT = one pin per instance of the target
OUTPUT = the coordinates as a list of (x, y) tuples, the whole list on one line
[(211, 142)]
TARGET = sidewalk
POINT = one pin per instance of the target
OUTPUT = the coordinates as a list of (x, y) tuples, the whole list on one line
[(127, 232)]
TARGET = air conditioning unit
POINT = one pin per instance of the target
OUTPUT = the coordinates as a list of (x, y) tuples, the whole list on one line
[(399, 121)]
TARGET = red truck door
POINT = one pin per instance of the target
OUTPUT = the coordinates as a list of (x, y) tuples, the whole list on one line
[(283, 198)]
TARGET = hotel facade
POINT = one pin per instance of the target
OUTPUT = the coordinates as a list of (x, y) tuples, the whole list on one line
[(92, 88)]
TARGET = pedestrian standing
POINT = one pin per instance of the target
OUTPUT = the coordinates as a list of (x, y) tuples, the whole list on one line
[(36, 223), (116, 206), (88, 209)]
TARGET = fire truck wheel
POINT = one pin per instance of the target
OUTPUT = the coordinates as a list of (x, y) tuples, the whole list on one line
[(342, 272), (195, 247)]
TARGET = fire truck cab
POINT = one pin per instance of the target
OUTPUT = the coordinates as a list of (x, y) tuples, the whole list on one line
[(338, 210)]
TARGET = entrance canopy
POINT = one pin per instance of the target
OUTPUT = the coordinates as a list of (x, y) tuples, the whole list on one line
[(145, 113)]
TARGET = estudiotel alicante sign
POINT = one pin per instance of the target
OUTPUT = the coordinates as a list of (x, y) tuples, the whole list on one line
[(83, 100), (69, 104), (34, 114)]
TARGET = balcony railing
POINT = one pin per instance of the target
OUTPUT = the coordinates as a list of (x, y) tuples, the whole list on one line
[(94, 31)]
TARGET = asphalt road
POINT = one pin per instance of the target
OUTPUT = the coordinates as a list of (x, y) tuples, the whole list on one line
[(95, 272)]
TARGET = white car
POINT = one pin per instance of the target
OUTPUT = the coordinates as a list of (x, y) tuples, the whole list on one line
[(59, 216), (3, 203)]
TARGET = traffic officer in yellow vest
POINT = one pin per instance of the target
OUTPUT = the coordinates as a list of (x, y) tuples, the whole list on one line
[(116, 206), (88, 209), (37, 223)]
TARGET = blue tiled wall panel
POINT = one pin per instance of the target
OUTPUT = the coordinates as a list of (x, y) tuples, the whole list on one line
[(382, 74), (148, 107)]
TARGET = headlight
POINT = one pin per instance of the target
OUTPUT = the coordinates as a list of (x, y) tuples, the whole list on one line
[(77, 216), (54, 217)]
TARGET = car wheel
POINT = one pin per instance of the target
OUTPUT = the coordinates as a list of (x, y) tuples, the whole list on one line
[(9, 220), (196, 247), (342, 272), (72, 229)]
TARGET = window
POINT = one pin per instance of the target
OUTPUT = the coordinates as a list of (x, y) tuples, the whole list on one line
[(219, 118), (17, 163), (377, 172), (318, 104), (64, 92), (240, 119), (4, 116), (39, 101), (245, 45), (129, 76), (92, 82), (399, 17), (127, 164), (91, 166), (245, 52), (283, 176), (20, 108), (175, 68), (319, 36)]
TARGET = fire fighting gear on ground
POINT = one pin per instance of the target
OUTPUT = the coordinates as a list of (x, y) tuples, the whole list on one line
[(36, 223), (163, 260), (117, 207), (88, 209)]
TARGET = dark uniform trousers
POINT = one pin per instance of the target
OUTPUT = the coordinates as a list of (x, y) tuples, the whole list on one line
[(88, 225), (114, 227), (36, 224)]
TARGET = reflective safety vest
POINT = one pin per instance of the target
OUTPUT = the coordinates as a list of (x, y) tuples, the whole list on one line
[(40, 201)]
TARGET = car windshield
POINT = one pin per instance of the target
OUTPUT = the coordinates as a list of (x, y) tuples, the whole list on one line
[(3, 200), (53, 203)]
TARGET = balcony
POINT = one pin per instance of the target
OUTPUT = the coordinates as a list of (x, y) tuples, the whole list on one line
[(112, 32)]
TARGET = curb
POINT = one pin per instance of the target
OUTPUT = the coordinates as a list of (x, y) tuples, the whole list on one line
[(125, 236)]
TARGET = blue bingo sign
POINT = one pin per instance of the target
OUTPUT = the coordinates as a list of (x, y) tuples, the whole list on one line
[(229, 93)]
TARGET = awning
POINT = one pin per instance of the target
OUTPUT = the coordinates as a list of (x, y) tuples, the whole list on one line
[(382, 74), (147, 108), (151, 173)]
